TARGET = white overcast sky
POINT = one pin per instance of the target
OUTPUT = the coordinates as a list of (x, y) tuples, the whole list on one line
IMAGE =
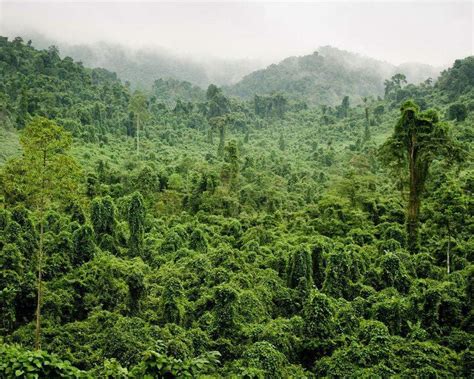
[(421, 31)]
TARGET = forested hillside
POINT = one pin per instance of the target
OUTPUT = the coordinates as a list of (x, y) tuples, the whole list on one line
[(213, 236), (86, 102), (326, 76)]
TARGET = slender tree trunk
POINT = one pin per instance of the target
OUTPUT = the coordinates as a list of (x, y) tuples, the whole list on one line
[(220, 149), (40, 261), (39, 286), (210, 136), (138, 135), (448, 253), (413, 203)]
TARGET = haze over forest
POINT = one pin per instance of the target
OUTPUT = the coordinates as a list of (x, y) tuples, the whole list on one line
[(221, 43), (242, 190), (268, 32)]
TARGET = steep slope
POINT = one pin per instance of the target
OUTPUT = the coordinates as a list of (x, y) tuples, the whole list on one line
[(458, 80), (87, 102)]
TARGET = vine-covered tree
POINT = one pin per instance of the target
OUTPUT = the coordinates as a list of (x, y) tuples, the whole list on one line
[(457, 111), (300, 269), (83, 245), (418, 139), (172, 301)]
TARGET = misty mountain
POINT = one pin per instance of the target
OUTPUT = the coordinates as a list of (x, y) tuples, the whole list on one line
[(327, 75), (414, 71), (141, 67), (324, 77)]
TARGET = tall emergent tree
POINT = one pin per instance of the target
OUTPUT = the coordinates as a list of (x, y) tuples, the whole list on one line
[(138, 106), (343, 109), (218, 104), (367, 121), (394, 84), (47, 174), (366, 108), (219, 123), (450, 209), (418, 139)]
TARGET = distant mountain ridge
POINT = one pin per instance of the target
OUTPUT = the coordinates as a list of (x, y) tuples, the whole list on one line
[(142, 66), (324, 77), (414, 71), (327, 75)]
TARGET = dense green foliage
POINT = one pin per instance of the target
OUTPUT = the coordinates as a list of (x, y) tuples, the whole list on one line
[(259, 238), (87, 103), (16, 362)]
